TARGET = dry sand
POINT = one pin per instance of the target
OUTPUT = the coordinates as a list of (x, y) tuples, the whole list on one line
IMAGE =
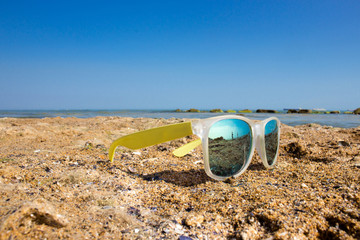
[(56, 183)]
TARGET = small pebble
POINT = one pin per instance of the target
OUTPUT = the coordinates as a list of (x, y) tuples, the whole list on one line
[(194, 220), (343, 143), (134, 211), (185, 238), (357, 164), (179, 229)]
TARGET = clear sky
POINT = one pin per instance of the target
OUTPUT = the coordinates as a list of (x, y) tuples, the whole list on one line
[(179, 54)]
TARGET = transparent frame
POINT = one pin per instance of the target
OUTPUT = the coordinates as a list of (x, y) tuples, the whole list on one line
[(202, 127)]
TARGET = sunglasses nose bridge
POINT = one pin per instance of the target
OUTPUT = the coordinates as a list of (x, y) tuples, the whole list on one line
[(258, 138), (257, 131)]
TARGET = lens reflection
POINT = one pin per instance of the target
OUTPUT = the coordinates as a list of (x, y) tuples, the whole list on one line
[(229, 146), (271, 141)]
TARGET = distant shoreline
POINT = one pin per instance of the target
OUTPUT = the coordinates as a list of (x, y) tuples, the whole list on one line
[(224, 110), (334, 120)]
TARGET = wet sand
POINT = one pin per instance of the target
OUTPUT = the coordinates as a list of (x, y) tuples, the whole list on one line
[(56, 183)]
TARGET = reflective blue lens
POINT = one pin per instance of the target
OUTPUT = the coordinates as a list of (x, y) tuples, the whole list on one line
[(230, 142), (271, 141)]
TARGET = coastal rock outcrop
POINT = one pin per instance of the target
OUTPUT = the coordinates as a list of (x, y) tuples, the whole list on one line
[(216, 110), (230, 111), (266, 111), (357, 111), (245, 111), (292, 111), (193, 110), (305, 111)]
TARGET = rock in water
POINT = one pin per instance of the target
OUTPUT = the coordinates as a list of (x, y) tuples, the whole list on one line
[(292, 111), (305, 111), (266, 111)]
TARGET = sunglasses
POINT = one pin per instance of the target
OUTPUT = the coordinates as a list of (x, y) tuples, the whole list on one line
[(228, 142)]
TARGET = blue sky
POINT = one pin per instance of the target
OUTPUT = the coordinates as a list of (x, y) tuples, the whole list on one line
[(179, 54)]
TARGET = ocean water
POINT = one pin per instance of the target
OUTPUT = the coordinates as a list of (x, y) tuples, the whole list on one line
[(334, 120)]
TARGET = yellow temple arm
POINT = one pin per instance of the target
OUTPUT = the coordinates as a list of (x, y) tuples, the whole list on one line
[(151, 137), (183, 150)]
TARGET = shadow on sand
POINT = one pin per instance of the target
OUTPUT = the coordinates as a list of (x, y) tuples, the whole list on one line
[(188, 178), (181, 178)]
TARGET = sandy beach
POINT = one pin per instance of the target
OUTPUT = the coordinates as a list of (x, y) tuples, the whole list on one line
[(56, 183)]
